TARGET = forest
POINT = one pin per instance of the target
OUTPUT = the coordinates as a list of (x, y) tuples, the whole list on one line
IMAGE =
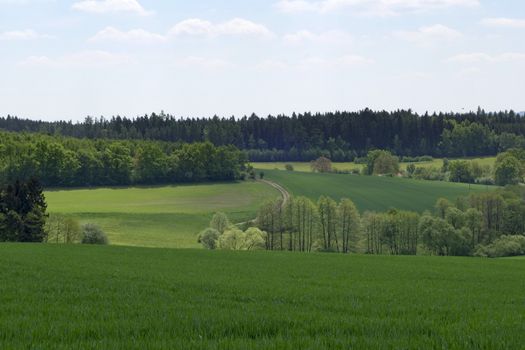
[(340, 136), (58, 161)]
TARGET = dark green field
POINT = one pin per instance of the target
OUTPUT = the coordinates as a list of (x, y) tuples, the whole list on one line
[(372, 192), (78, 297)]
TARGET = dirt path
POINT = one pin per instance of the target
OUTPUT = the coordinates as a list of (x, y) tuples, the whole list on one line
[(284, 193)]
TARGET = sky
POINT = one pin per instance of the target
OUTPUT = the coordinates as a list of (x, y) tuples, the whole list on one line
[(69, 59)]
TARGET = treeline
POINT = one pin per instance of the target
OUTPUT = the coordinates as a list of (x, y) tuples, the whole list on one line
[(59, 161), (340, 136), (486, 224), (508, 169)]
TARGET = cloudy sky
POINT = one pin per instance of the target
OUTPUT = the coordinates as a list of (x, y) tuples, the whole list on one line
[(68, 59)]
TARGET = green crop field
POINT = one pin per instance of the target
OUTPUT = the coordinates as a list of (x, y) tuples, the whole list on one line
[(372, 192), (79, 297), (169, 216), (303, 166), (348, 166)]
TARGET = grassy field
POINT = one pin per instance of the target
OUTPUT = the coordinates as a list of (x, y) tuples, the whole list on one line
[(78, 297), (372, 192), (347, 166), (168, 217)]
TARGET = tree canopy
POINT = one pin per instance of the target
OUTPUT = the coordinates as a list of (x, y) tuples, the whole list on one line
[(340, 136)]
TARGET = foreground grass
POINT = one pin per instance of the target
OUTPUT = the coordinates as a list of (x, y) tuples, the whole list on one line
[(348, 166), (77, 297), (169, 216), (373, 192)]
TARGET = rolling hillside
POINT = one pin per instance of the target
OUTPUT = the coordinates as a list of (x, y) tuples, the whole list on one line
[(169, 217), (372, 192)]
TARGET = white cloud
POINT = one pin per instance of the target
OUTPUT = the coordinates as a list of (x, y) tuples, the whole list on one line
[(78, 59), (330, 37), (371, 7), (237, 26), (504, 22), (291, 6), (429, 35), (25, 2), (192, 26), (346, 61), (109, 6), (36, 61), (134, 36), (351, 60), (203, 63), (480, 57), (273, 65), (27, 34)]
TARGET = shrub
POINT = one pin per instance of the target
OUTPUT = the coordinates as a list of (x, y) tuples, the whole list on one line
[(503, 246), (254, 239), (208, 238), (381, 163), (407, 159), (220, 222), (485, 181), (411, 169), (233, 239), (507, 170), (289, 167), (431, 174), (321, 165), (92, 234)]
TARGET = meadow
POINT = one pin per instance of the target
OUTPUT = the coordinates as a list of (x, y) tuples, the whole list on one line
[(172, 216), (373, 193), (82, 297), (349, 166), (168, 216)]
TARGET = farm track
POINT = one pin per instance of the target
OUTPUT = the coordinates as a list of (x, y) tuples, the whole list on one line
[(284, 193)]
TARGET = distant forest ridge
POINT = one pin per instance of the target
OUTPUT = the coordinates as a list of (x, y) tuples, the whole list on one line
[(342, 136)]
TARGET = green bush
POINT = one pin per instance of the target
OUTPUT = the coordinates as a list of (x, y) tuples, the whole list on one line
[(503, 246), (208, 238), (92, 234), (220, 222), (289, 167)]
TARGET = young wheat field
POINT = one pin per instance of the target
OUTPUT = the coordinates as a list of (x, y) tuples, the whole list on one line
[(78, 297)]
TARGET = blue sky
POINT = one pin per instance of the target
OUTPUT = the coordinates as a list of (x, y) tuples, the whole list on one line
[(69, 59)]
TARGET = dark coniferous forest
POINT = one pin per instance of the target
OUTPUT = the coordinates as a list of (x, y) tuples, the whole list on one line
[(341, 136)]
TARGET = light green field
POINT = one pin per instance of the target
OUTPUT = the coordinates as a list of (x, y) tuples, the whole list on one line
[(170, 216), (76, 297), (348, 166), (373, 192)]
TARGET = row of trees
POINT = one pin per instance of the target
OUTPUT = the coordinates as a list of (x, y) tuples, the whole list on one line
[(509, 168), (61, 161), (340, 136), (483, 224)]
